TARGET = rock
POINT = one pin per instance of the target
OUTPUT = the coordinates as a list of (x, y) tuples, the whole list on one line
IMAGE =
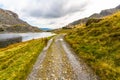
[(53, 75), (10, 22)]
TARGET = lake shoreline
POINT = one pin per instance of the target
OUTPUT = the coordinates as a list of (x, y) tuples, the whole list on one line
[(7, 42), (11, 38)]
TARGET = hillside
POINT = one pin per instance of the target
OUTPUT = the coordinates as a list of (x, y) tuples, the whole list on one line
[(10, 22), (17, 60), (102, 14), (98, 43)]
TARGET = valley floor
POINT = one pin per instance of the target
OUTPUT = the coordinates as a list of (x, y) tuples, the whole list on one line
[(59, 62)]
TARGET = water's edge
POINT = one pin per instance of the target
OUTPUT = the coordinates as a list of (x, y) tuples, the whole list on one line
[(11, 38)]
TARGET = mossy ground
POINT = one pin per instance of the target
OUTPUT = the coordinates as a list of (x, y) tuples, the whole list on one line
[(98, 43)]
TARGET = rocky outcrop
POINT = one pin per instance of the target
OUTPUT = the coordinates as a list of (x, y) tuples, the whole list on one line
[(10, 22)]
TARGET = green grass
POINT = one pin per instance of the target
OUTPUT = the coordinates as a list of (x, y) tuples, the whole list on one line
[(61, 31), (16, 61), (98, 43)]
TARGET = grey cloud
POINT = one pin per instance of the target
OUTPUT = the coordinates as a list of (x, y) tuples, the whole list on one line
[(53, 8), (52, 22)]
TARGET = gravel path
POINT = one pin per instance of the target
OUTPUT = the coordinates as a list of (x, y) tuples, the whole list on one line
[(59, 62)]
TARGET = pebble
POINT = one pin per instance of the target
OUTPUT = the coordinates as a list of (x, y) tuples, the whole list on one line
[(62, 78), (52, 75)]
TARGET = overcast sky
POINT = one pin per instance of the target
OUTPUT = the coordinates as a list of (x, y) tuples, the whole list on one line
[(55, 13)]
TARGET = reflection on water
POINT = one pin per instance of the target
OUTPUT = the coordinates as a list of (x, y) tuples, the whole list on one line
[(29, 36), (25, 36), (8, 36)]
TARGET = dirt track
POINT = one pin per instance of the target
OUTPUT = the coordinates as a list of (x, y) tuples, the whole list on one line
[(59, 62)]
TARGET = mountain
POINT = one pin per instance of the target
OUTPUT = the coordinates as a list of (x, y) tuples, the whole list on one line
[(102, 14), (46, 29), (10, 22)]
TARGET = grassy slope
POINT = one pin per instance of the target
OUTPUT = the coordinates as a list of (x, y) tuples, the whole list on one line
[(17, 60), (61, 31), (99, 45)]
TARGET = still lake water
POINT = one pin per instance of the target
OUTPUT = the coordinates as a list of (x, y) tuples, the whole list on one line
[(25, 36)]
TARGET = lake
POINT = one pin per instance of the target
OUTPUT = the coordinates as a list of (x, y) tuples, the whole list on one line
[(10, 38), (25, 36)]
